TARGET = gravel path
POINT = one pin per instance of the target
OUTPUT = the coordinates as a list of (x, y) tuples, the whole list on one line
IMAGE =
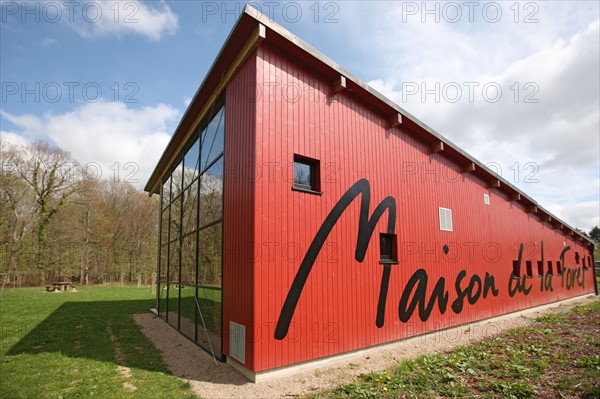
[(192, 364)]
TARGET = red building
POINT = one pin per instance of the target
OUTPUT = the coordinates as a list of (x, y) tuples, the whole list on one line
[(304, 215)]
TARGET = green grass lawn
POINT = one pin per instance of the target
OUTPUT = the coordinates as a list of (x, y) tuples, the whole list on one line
[(69, 345)]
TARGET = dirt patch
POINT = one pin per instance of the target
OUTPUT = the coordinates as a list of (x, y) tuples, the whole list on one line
[(123, 371), (210, 380)]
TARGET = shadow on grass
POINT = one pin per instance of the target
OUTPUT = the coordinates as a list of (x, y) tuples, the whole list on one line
[(102, 330)]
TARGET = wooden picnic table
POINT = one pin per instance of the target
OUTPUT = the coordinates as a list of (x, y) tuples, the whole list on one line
[(60, 286)]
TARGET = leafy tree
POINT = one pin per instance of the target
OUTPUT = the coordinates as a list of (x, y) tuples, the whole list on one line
[(595, 234)]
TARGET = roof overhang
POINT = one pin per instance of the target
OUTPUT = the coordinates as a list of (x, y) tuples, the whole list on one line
[(249, 31)]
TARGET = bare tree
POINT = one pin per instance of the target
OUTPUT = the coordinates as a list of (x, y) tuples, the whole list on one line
[(16, 212), (50, 174), (79, 220)]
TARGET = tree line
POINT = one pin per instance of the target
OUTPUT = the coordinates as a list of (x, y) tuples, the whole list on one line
[(57, 223)]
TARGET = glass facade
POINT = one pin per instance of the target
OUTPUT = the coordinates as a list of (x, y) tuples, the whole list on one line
[(190, 263)]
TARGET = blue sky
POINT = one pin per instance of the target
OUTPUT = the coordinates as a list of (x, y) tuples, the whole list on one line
[(108, 81)]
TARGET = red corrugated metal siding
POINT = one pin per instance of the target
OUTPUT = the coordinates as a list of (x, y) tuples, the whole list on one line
[(337, 309), (238, 208)]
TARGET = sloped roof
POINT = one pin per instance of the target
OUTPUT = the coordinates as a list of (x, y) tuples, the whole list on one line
[(251, 28)]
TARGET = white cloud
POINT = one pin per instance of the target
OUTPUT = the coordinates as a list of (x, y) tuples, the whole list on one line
[(47, 42), (578, 213), (11, 139), (102, 134), (29, 123), (101, 18)]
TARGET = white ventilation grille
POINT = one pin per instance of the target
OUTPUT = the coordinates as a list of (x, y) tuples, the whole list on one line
[(237, 341), (445, 219), (486, 199)]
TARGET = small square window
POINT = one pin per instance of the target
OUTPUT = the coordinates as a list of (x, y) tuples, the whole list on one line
[(516, 268), (550, 267), (445, 219), (540, 266), (559, 269), (529, 268), (306, 174), (387, 248), (486, 199)]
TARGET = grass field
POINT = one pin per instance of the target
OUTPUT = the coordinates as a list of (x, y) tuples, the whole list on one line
[(81, 344), (557, 357)]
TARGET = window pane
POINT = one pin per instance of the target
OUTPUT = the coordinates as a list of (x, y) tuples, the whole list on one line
[(166, 193), (210, 285), (211, 194), (210, 256), (187, 307), (218, 144), (213, 138), (386, 249), (162, 280), (164, 231), (190, 163), (188, 260), (302, 174), (175, 219), (173, 284), (190, 208), (177, 185)]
